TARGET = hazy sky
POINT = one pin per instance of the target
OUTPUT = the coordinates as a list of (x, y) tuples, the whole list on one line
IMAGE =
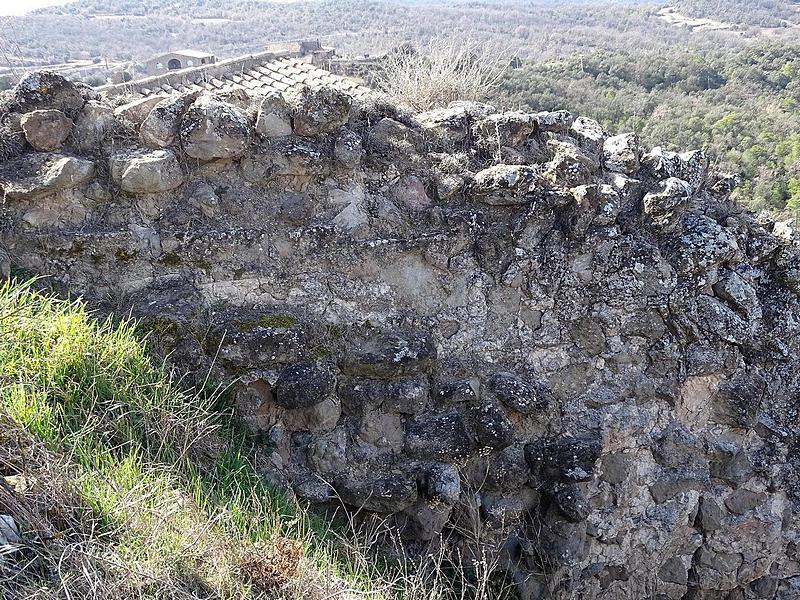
[(20, 7)]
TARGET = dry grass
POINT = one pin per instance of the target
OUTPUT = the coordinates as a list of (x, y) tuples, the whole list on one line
[(444, 70)]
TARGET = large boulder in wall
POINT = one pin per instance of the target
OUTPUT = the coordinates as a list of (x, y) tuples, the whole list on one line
[(211, 129), (143, 172), (47, 90), (317, 111), (161, 126), (46, 129), (35, 175)]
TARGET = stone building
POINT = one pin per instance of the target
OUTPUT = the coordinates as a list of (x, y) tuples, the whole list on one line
[(178, 59), (280, 67)]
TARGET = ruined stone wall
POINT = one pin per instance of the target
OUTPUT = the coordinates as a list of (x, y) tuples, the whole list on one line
[(509, 323)]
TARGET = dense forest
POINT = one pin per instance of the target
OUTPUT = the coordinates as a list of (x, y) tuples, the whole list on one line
[(732, 90), (761, 13)]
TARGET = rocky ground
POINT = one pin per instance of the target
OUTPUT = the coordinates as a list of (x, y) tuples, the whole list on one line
[(509, 332)]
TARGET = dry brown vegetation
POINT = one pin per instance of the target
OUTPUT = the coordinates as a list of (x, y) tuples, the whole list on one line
[(441, 71)]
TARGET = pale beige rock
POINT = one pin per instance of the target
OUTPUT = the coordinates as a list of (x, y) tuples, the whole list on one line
[(94, 122), (136, 111), (142, 172), (273, 118), (33, 176), (212, 130), (46, 130), (694, 408), (503, 185), (161, 126), (621, 153)]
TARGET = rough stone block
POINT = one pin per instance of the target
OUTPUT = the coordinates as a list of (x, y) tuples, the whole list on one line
[(318, 111), (565, 458), (302, 385), (390, 355), (443, 436), (525, 397), (33, 176), (46, 129), (212, 130), (143, 172)]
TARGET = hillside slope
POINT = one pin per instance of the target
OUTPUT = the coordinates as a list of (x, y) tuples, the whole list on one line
[(115, 484)]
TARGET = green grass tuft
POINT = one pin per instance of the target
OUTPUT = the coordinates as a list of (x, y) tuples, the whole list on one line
[(125, 486), (164, 481)]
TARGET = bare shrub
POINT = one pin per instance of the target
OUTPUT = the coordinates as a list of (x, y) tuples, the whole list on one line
[(441, 71)]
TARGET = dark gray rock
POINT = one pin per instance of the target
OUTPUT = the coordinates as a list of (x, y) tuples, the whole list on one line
[(722, 562), (348, 149), (249, 338), (558, 542), (380, 491), (492, 426), (290, 160), (764, 587), (673, 484), (424, 521), (444, 436), (709, 515), (676, 448), (391, 135), (739, 295), (502, 471), (565, 458), (720, 322), (456, 392), (703, 245), (406, 396), (588, 334), (737, 401), (494, 250), (302, 385), (730, 463), (524, 396), (673, 571), (741, 501), (441, 483), (571, 502), (614, 468), (390, 355), (451, 125)]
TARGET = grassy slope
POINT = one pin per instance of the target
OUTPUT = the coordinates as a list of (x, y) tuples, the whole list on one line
[(125, 487)]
